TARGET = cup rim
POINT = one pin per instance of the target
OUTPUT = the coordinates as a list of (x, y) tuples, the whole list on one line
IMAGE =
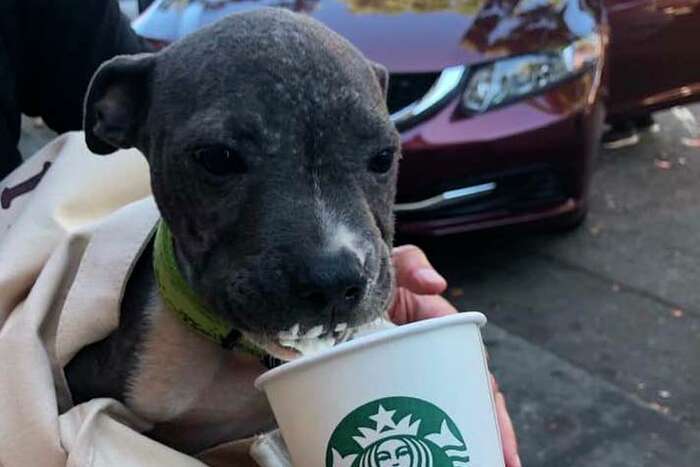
[(361, 342)]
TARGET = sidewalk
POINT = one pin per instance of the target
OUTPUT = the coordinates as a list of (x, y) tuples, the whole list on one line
[(595, 335)]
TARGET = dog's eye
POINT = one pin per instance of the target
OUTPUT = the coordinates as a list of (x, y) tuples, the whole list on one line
[(382, 161), (220, 160)]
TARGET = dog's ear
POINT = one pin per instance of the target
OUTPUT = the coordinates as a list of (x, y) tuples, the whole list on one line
[(382, 75), (117, 102)]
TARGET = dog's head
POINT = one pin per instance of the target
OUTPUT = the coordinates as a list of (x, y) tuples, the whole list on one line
[(273, 161)]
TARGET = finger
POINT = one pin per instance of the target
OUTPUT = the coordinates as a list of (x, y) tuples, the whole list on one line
[(409, 307), (510, 443), (414, 271)]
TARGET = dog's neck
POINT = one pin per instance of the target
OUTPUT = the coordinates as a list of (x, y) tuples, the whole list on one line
[(183, 301), (197, 393), (184, 378), (181, 298)]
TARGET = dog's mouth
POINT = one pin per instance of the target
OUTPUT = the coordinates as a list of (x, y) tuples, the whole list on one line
[(310, 338), (293, 343)]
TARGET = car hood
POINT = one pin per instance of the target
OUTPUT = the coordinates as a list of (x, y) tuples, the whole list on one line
[(405, 35)]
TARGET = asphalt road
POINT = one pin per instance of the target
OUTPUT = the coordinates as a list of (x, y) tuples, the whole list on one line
[(594, 335)]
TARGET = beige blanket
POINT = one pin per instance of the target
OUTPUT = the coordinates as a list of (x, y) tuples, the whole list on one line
[(71, 228)]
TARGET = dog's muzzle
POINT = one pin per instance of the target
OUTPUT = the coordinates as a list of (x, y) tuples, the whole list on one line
[(330, 284)]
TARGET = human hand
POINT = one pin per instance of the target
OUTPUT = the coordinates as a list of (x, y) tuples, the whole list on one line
[(418, 289)]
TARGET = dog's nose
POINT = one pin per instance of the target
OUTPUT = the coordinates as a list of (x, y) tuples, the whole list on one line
[(332, 280)]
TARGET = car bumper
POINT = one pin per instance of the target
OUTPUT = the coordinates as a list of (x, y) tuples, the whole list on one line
[(526, 162)]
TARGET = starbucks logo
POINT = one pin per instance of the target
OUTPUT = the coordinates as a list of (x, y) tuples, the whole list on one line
[(397, 432)]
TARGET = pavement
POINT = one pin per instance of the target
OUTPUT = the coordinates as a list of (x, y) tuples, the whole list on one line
[(594, 335)]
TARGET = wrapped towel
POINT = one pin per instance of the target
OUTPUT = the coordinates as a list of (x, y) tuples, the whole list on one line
[(72, 225)]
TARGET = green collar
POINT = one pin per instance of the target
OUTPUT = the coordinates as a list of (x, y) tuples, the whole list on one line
[(185, 302)]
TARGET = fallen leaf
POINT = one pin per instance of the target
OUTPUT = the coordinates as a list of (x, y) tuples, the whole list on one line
[(456, 292), (691, 142), (662, 164), (659, 408), (677, 313)]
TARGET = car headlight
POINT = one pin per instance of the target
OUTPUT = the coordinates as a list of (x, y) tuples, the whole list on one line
[(509, 79)]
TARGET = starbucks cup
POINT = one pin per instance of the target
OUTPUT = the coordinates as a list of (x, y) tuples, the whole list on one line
[(413, 396)]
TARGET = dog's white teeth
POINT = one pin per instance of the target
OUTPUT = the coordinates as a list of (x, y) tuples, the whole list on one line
[(287, 342), (310, 346), (340, 327), (291, 334), (311, 342), (314, 332)]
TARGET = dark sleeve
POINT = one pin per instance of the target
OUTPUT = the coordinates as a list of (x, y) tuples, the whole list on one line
[(9, 100), (9, 134), (64, 41)]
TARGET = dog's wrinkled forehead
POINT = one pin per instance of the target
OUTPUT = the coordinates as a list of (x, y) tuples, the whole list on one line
[(248, 65)]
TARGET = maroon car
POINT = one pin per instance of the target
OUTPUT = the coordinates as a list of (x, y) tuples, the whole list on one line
[(500, 103)]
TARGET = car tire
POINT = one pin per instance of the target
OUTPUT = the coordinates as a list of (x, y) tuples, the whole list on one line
[(143, 4), (567, 222)]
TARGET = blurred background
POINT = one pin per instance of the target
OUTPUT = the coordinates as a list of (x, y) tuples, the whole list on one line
[(551, 167)]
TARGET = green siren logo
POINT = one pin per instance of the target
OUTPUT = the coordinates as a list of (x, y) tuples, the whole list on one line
[(397, 432)]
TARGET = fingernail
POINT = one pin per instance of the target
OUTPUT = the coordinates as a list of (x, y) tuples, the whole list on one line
[(429, 275), (517, 462)]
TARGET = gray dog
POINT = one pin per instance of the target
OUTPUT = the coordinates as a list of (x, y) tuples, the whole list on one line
[(273, 163)]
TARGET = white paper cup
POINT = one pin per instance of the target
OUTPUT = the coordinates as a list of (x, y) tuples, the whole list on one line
[(414, 396)]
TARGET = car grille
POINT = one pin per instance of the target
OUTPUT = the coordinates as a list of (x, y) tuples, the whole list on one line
[(516, 192), (406, 88)]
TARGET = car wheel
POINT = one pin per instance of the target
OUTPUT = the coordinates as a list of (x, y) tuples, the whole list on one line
[(143, 4), (567, 222)]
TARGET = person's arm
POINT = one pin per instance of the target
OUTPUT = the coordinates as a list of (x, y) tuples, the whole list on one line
[(63, 44), (418, 297), (9, 100)]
